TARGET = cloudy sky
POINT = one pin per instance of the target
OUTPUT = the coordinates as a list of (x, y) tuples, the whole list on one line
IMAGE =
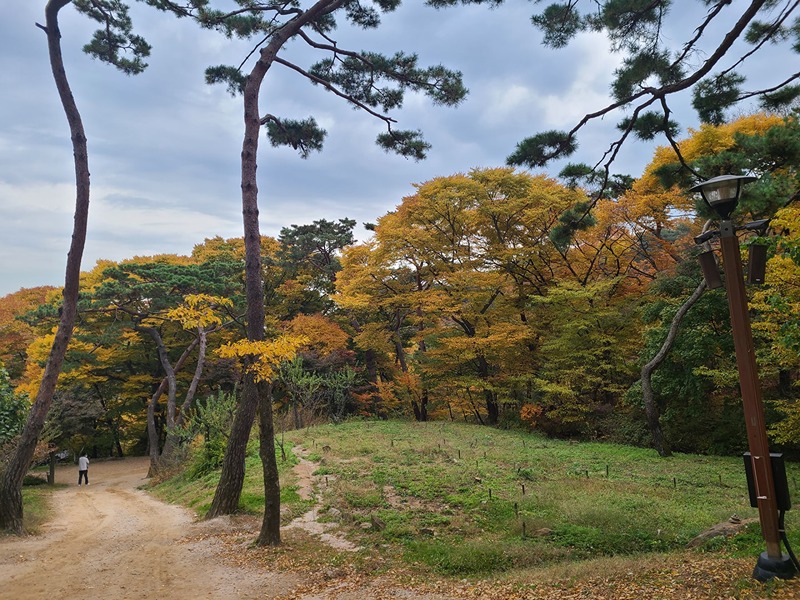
[(164, 146)]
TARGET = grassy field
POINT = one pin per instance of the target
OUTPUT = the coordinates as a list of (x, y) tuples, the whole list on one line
[(463, 501)]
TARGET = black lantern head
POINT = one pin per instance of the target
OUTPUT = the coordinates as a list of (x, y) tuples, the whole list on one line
[(722, 193)]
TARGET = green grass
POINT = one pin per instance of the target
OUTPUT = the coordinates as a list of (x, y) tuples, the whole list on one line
[(36, 500), (477, 489), (198, 492), (465, 500)]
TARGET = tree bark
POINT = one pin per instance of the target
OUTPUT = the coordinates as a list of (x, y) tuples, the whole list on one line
[(229, 488), (490, 397), (226, 497), (169, 371), (650, 405), (202, 343), (172, 392), (11, 511), (152, 431), (270, 534)]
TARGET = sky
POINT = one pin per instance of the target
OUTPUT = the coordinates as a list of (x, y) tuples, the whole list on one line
[(164, 146)]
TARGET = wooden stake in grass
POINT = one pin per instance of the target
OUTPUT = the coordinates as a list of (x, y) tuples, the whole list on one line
[(674, 482), (516, 509), (606, 471), (459, 454), (523, 489), (490, 493)]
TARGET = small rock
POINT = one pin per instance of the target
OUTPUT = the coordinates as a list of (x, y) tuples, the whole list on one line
[(427, 532)]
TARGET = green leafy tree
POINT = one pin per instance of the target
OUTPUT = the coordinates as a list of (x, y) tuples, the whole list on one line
[(211, 421), (13, 409), (761, 144), (176, 304)]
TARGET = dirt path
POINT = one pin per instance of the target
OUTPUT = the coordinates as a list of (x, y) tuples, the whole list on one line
[(111, 540)]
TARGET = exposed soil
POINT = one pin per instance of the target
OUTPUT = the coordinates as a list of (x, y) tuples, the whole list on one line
[(111, 540)]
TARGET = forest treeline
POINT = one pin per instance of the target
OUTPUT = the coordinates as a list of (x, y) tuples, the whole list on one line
[(497, 296)]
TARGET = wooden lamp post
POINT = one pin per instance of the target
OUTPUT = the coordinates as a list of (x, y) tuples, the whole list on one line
[(722, 195)]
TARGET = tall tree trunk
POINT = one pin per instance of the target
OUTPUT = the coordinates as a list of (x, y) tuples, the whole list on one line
[(226, 497), (270, 534), (169, 371), (152, 430), (11, 485), (229, 488), (650, 405)]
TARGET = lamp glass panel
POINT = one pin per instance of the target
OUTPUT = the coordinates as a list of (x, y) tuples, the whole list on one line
[(724, 191)]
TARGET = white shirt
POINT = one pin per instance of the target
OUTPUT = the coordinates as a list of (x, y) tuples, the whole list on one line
[(83, 464)]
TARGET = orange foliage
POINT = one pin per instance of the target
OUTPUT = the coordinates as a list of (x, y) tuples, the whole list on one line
[(530, 414), (323, 335), (16, 336)]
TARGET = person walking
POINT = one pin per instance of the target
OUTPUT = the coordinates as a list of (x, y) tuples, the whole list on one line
[(83, 469)]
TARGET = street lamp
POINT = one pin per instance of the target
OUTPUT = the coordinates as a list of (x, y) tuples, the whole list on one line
[(722, 195)]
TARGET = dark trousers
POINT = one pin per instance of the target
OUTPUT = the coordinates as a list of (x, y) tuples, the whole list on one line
[(83, 476)]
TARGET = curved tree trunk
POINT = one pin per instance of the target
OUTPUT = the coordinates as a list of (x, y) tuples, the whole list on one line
[(172, 392), (11, 485), (226, 497), (152, 431), (202, 343), (651, 407)]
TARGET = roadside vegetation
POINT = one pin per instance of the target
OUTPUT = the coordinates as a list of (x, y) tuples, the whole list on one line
[(455, 501)]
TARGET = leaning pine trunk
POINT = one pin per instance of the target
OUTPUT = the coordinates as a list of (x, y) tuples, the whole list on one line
[(11, 485)]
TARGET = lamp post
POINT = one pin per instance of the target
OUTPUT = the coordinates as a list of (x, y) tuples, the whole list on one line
[(722, 195)]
